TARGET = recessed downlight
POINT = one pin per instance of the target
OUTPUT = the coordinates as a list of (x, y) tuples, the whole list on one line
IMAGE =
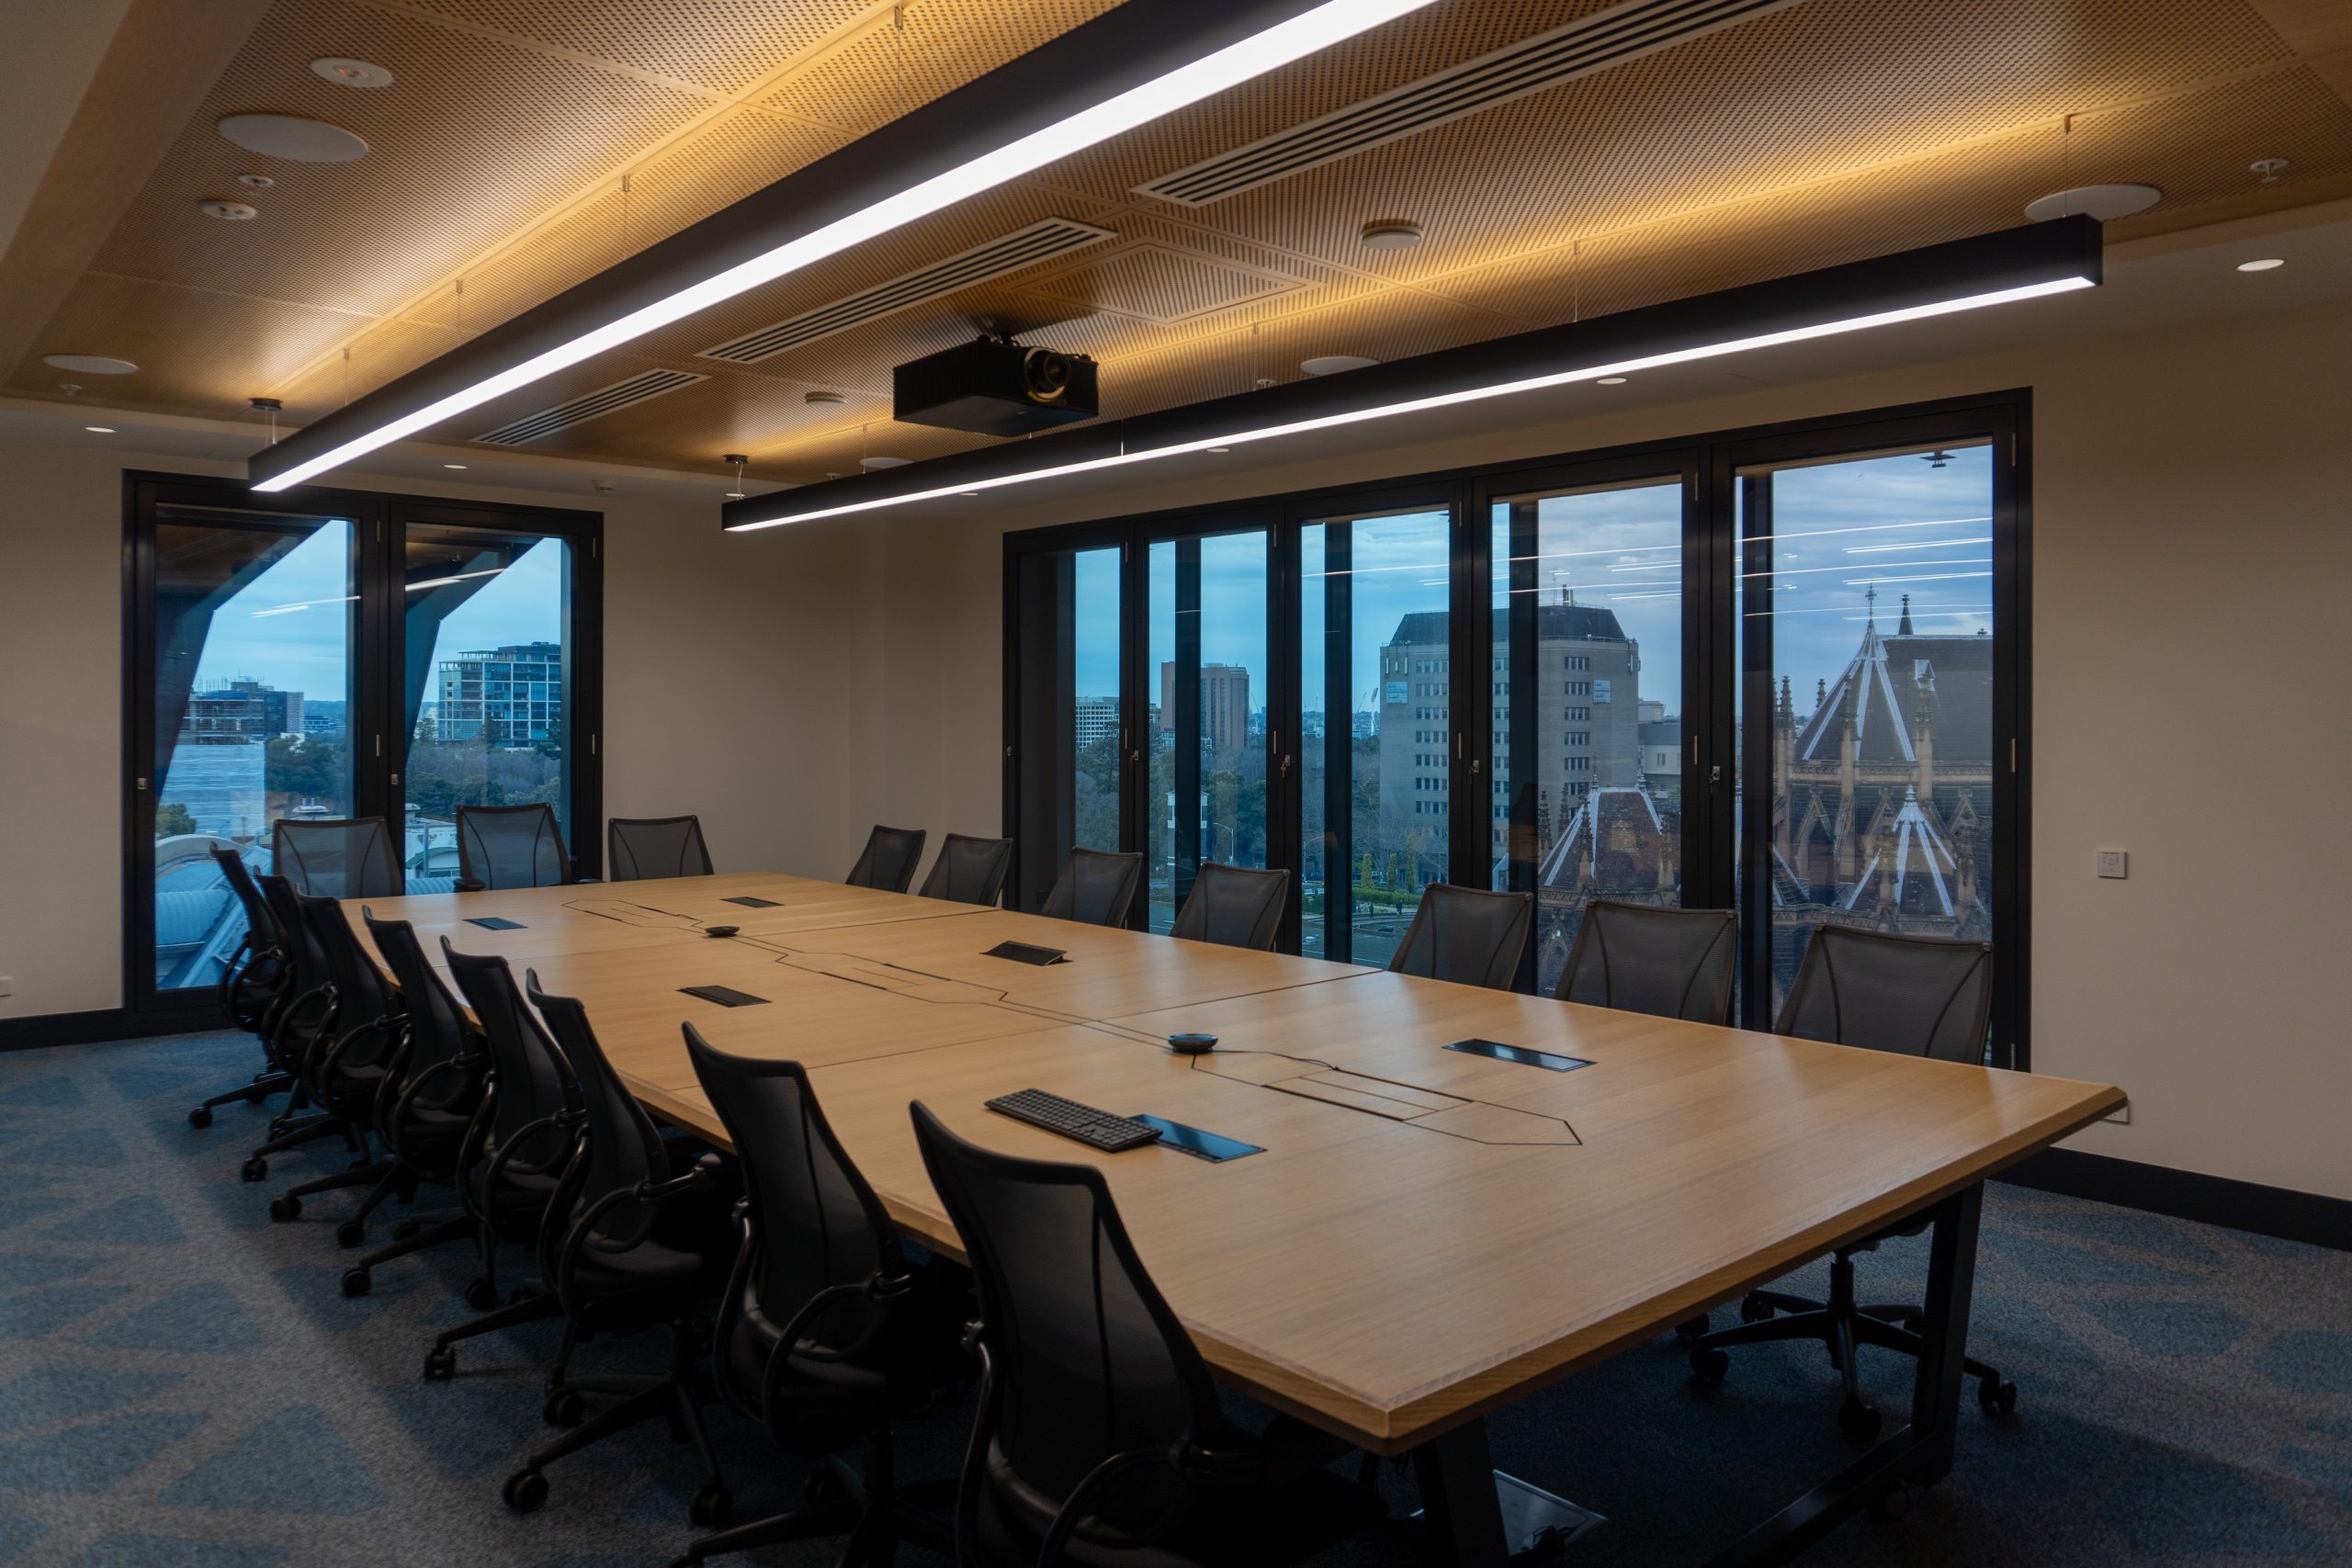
[(459, 466), (99, 429), (255, 181), (88, 364), (1611, 381), (293, 138), (1332, 364), (2102, 202), (1391, 235), (871, 464), (823, 399), (352, 72), (2265, 264), (228, 211)]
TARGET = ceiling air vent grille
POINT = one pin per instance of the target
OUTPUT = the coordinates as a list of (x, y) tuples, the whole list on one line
[(1046, 238), (593, 405), (1596, 42)]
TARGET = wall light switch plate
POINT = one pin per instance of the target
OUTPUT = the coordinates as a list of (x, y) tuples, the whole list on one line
[(2115, 862)]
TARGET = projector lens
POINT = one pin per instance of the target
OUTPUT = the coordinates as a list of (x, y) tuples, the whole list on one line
[(1045, 374)]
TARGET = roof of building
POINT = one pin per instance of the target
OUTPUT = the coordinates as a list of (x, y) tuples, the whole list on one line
[(1923, 866), (1627, 834), (1884, 685), (1553, 623)]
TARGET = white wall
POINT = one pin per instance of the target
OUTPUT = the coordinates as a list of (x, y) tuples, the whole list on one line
[(727, 694), (2192, 556)]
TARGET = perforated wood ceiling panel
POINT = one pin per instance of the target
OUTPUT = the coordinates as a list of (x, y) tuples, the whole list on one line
[(529, 143)]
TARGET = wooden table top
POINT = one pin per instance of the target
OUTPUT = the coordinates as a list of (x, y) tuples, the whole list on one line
[(1428, 1234)]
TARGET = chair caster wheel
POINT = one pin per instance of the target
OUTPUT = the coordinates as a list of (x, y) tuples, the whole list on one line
[(254, 1169), (351, 1232), (711, 1507), (1690, 1328), (823, 1488), (1754, 1311), (1998, 1400), (526, 1491), (200, 1117), (440, 1363), (287, 1208), (357, 1282), (563, 1409), (482, 1295), (1860, 1421), (1893, 1503), (1710, 1366)]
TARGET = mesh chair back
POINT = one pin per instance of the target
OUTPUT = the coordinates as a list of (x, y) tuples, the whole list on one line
[(814, 1222), (1667, 963), (350, 857), (358, 990), (1465, 935), (437, 1032), (1234, 907), (888, 860), (533, 1081), (304, 957), (640, 846), (1916, 996), (1097, 886), (511, 846), (1087, 1359), (240, 878), (624, 1148), (969, 870)]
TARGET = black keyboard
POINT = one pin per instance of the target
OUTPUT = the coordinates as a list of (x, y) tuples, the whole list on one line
[(1095, 1129)]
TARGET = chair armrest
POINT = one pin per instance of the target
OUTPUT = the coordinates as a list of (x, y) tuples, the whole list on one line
[(466, 885), (582, 1232), (1083, 1495)]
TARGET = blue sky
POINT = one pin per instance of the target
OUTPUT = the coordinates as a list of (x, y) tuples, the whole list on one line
[(1897, 523), (289, 627)]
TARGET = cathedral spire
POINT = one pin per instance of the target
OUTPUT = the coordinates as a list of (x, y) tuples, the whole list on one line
[(1903, 629)]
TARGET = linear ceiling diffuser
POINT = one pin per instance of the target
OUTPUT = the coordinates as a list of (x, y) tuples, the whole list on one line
[(1961, 274), (623, 394), (1126, 68), (1596, 42)]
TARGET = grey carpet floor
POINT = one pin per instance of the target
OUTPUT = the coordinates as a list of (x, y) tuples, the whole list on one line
[(182, 1385)]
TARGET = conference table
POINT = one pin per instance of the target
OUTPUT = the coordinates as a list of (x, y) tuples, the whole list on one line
[(1426, 1233)]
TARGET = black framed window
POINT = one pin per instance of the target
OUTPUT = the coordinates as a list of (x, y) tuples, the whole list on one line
[(1573, 676), (282, 659)]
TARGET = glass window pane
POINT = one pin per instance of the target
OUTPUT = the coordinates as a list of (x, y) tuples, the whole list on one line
[(1867, 608), (1208, 722), (485, 616), (1377, 658), (1597, 773), (1095, 654), (255, 618)]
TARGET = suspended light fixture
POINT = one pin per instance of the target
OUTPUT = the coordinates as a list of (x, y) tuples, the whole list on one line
[(1127, 67), (738, 459), (2013, 264)]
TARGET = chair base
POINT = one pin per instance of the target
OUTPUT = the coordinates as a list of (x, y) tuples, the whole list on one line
[(671, 1395), (871, 1511), (1842, 1326)]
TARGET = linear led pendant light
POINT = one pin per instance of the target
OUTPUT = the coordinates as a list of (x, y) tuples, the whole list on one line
[(1124, 69), (1938, 280)]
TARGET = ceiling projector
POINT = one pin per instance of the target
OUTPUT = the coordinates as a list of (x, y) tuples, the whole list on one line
[(993, 386)]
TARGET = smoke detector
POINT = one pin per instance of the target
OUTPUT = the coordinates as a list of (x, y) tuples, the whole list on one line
[(88, 364), (823, 399), (1392, 234), (352, 72), (228, 211)]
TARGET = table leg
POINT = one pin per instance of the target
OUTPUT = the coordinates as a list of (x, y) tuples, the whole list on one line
[(1479, 1518), (1919, 1451)]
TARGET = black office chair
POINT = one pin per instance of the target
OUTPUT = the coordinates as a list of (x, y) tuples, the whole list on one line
[(252, 986), (1640, 958), (641, 847), (428, 1108), (888, 860), (510, 846), (1914, 995), (1097, 886), (1099, 1440), (347, 1074), (1466, 936), (826, 1333), (519, 1146), (300, 1025), (1234, 907), (641, 1248), (344, 857), (968, 869)]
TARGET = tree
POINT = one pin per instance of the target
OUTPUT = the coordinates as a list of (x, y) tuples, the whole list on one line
[(172, 820), (428, 732), (302, 765)]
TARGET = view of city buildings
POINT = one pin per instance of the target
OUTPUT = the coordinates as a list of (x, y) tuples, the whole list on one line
[(506, 695)]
